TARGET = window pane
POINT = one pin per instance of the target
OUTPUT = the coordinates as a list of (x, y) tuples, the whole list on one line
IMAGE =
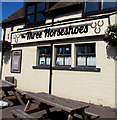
[(67, 60), (42, 61), (40, 7), (109, 4), (40, 17), (91, 48), (67, 50), (47, 50), (48, 61), (30, 19), (59, 61), (81, 61), (92, 6), (60, 50), (81, 49), (31, 9), (91, 61), (42, 51)]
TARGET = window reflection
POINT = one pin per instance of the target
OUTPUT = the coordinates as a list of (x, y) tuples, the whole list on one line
[(109, 4), (40, 7), (63, 56), (31, 9), (35, 14), (92, 6), (30, 19)]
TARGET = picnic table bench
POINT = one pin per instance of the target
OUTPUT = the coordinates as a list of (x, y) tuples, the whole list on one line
[(46, 101), (6, 87)]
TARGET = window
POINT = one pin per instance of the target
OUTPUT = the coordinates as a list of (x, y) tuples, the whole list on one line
[(109, 4), (35, 13), (86, 55), (44, 55), (16, 61), (98, 6), (92, 6), (63, 55)]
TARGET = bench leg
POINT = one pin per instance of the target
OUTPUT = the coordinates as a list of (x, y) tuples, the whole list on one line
[(70, 117), (27, 105), (19, 98), (84, 115)]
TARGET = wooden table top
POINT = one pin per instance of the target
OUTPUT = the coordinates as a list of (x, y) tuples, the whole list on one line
[(6, 84), (57, 102)]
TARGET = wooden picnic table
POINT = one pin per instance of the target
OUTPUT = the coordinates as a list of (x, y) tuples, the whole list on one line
[(7, 86), (46, 101)]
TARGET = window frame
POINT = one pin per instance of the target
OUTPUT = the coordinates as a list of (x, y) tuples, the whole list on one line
[(62, 55), (100, 11), (85, 54), (35, 14), (45, 55), (18, 70)]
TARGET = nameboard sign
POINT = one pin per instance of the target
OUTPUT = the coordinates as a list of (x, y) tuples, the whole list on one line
[(73, 30)]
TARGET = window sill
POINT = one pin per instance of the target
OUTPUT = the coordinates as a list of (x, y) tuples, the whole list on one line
[(41, 67), (88, 69)]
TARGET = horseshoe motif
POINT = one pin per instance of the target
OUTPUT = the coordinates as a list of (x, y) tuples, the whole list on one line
[(94, 25), (97, 26), (16, 37), (100, 25), (97, 30)]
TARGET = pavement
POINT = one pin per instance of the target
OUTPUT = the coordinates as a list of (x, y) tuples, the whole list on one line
[(104, 112)]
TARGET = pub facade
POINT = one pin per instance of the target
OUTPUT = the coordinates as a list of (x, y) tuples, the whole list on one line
[(60, 48)]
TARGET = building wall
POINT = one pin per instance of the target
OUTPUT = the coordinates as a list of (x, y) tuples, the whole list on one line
[(8, 31), (94, 87)]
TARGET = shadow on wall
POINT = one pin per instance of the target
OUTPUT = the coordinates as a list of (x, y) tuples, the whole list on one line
[(7, 56), (112, 51)]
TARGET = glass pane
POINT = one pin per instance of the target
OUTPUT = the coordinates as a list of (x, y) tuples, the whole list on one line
[(48, 61), (40, 7), (81, 49), (59, 61), (67, 50), (40, 17), (91, 61), (67, 60), (81, 61), (60, 50), (91, 48), (47, 50), (30, 19), (92, 6), (42, 61), (31, 9), (42, 51), (109, 4)]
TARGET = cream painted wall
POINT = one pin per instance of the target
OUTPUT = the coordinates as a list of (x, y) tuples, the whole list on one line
[(94, 87), (29, 79), (8, 32), (66, 16), (116, 77)]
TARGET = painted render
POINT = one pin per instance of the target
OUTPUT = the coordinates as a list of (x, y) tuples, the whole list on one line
[(87, 86)]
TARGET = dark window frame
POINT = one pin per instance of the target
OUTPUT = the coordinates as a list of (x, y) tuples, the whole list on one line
[(100, 11), (62, 55), (85, 54), (43, 55), (35, 14), (19, 62)]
